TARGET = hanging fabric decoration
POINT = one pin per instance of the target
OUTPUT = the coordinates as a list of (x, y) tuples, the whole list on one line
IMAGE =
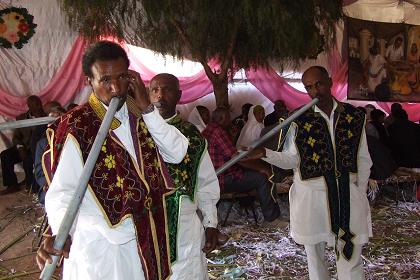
[(16, 27)]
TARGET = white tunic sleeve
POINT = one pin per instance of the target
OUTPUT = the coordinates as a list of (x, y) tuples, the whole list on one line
[(208, 191), (171, 142), (63, 185), (288, 158)]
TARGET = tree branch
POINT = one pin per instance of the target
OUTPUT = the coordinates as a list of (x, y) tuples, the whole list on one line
[(195, 55), (225, 65)]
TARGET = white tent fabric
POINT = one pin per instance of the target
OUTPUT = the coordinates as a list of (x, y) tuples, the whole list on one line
[(27, 71), (394, 11)]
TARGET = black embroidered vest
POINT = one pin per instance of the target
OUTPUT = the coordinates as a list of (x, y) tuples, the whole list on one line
[(320, 157)]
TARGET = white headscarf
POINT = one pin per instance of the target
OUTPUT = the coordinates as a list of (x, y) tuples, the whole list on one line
[(251, 130), (195, 119)]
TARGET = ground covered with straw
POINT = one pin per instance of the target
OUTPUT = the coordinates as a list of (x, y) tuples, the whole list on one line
[(258, 252), (253, 251)]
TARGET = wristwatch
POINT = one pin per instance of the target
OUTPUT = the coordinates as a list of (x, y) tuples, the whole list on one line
[(148, 109)]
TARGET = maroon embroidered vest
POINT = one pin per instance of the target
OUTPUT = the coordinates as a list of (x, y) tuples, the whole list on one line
[(122, 187)]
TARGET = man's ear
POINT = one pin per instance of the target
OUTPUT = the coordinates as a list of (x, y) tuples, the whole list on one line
[(88, 81), (330, 82)]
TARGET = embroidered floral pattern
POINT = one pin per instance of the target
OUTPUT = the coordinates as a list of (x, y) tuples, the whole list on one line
[(307, 126), (311, 141), (187, 159), (120, 182), (110, 161), (16, 27), (349, 118), (315, 157), (184, 175), (150, 142), (103, 149)]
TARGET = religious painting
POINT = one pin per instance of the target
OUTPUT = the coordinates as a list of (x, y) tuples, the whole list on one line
[(383, 61)]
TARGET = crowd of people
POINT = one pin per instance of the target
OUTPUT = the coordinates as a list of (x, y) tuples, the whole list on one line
[(150, 211)]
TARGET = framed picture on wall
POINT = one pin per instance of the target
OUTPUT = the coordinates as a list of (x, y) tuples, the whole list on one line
[(384, 61)]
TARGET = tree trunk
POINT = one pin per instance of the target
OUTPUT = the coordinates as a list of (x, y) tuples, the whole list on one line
[(220, 87)]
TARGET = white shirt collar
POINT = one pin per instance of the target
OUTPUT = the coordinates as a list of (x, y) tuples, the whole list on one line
[(316, 109), (122, 113)]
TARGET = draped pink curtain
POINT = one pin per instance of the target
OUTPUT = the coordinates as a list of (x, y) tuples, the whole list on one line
[(193, 87), (63, 86), (274, 87), (69, 80)]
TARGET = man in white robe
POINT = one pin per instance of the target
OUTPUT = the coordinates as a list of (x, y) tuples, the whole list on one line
[(316, 217), (96, 247), (194, 237)]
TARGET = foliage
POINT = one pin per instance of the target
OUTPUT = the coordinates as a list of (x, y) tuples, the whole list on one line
[(240, 33)]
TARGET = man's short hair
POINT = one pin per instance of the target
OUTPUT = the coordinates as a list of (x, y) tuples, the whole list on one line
[(103, 51), (168, 76), (321, 69)]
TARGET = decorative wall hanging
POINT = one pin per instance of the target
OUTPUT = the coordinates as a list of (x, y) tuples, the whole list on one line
[(16, 27), (384, 61)]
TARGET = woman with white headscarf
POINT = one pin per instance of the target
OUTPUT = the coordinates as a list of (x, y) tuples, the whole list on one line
[(252, 128), (199, 117)]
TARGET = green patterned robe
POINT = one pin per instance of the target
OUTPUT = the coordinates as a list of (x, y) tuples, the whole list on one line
[(185, 176)]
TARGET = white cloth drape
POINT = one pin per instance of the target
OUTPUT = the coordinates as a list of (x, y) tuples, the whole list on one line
[(28, 70)]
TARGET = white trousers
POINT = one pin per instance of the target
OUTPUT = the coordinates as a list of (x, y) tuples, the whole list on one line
[(346, 270)]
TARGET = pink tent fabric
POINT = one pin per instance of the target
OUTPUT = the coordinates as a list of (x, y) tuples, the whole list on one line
[(193, 87), (69, 80), (63, 86)]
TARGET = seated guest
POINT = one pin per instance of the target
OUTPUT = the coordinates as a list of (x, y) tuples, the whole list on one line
[(39, 131), (244, 176), (200, 117), (404, 139), (368, 109), (252, 128), (383, 163), (280, 112), (239, 122), (54, 110), (376, 128), (391, 117), (21, 149)]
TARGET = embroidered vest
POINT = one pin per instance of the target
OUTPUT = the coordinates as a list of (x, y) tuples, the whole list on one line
[(185, 177), (319, 157), (122, 186)]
